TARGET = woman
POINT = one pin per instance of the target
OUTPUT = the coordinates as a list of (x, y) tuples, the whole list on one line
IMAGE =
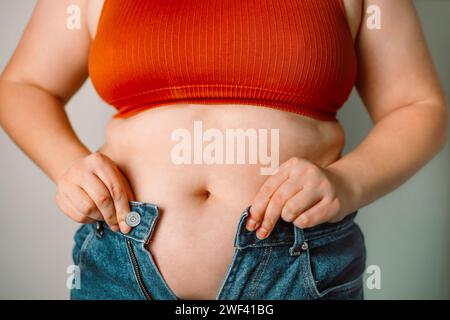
[(166, 218)]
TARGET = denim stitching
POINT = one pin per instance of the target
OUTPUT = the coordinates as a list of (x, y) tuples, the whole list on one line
[(304, 272), (344, 287), (150, 230), (269, 254), (310, 277), (253, 283), (259, 276)]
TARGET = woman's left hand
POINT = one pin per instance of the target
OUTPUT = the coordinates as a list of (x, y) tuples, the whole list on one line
[(299, 192)]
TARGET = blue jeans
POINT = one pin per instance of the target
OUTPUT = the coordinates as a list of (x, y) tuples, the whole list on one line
[(323, 262)]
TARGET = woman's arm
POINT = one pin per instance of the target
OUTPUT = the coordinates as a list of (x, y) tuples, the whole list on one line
[(401, 91), (399, 86), (47, 68)]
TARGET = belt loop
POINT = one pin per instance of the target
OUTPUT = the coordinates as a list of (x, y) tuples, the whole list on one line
[(300, 244), (242, 235)]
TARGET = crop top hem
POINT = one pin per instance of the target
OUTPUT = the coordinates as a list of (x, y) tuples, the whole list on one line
[(222, 94), (304, 111)]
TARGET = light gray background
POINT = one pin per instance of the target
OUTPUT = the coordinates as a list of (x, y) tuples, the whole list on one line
[(407, 231)]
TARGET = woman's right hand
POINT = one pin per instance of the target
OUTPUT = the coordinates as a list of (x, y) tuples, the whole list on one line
[(93, 188)]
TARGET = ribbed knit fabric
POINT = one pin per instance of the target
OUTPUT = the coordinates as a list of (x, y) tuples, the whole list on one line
[(292, 55)]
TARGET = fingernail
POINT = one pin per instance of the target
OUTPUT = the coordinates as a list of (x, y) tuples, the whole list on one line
[(124, 228), (261, 233), (251, 225), (114, 228)]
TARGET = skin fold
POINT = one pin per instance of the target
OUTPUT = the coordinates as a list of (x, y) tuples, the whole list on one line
[(314, 183)]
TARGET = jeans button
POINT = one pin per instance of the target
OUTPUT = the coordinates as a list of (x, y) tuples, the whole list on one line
[(133, 219)]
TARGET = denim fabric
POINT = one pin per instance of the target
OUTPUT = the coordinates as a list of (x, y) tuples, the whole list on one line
[(323, 262)]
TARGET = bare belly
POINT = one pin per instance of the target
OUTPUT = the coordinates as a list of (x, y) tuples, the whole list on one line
[(201, 201)]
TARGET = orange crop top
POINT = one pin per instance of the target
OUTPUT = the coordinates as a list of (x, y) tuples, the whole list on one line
[(292, 55)]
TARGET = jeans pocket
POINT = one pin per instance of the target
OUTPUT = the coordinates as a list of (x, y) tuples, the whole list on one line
[(334, 268), (83, 237)]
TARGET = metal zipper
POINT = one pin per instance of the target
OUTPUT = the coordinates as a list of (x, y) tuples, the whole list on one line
[(138, 272)]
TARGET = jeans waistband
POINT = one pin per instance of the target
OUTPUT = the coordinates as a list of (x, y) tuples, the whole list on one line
[(284, 233)]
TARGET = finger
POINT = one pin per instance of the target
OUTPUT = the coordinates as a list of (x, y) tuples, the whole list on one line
[(262, 198), (69, 210), (129, 191), (276, 203), (99, 193), (317, 214), (81, 201), (82, 219), (110, 176), (300, 202)]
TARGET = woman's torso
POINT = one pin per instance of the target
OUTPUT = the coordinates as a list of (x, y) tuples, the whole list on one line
[(201, 203)]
